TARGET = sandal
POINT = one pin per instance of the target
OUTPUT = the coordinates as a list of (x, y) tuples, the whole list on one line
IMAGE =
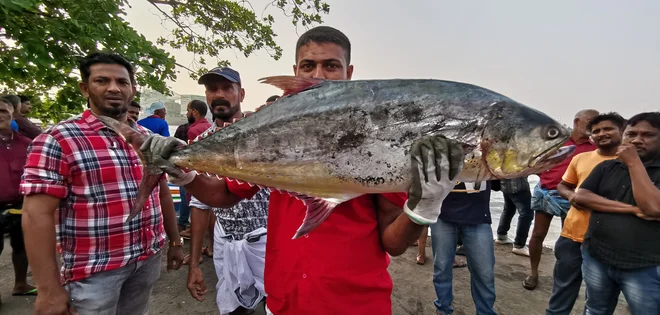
[(186, 260), (207, 252), (530, 282), (459, 263)]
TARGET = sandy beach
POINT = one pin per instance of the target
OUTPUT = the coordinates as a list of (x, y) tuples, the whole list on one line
[(413, 288)]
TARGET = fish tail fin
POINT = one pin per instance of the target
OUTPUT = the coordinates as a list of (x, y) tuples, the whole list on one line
[(152, 175), (291, 84), (318, 209)]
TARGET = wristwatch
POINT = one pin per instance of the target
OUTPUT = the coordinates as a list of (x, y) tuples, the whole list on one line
[(175, 243)]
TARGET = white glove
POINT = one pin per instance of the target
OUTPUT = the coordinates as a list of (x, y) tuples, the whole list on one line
[(436, 161), (156, 151)]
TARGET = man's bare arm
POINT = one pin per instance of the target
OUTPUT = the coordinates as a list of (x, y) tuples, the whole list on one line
[(589, 200), (38, 222), (647, 196), (566, 189), (212, 191), (397, 231), (169, 214)]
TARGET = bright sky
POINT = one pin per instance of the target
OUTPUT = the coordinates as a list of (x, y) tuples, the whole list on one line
[(556, 56)]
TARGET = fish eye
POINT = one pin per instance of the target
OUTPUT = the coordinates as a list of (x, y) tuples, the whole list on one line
[(552, 132)]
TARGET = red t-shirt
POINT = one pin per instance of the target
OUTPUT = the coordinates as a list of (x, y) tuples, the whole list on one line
[(197, 128), (338, 268), (552, 177)]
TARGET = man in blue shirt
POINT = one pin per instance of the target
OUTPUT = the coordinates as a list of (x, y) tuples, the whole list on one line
[(155, 121), (465, 211)]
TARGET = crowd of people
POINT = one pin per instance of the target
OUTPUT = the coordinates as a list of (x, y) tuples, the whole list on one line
[(72, 186)]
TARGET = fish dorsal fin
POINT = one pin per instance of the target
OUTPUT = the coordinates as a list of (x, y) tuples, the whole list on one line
[(290, 84)]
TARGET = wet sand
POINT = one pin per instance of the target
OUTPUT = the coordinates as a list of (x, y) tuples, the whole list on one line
[(413, 289)]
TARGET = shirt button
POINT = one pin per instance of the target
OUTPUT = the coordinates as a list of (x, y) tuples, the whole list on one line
[(306, 235), (304, 276)]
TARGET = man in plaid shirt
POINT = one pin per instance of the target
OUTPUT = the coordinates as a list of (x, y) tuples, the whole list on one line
[(89, 176)]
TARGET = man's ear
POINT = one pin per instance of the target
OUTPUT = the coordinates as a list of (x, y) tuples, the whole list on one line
[(242, 94), (349, 72), (84, 89)]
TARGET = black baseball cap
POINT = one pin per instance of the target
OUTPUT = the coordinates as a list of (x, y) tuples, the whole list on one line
[(225, 72)]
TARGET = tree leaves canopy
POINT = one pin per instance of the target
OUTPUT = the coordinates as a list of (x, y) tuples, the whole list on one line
[(41, 42)]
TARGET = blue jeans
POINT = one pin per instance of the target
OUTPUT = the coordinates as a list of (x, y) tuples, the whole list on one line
[(478, 245), (641, 287), (184, 208), (567, 277), (523, 202)]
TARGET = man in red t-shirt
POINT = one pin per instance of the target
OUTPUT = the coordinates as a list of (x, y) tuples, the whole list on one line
[(546, 201), (341, 266)]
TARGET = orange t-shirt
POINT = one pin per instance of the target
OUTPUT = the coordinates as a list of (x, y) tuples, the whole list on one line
[(577, 221)]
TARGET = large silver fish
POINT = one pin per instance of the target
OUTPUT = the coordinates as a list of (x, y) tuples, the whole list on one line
[(326, 142)]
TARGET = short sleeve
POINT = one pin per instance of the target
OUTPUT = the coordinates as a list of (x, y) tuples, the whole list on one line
[(570, 176), (398, 199), (46, 170), (592, 182), (242, 190)]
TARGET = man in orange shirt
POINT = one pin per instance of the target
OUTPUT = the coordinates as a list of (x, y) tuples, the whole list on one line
[(606, 131)]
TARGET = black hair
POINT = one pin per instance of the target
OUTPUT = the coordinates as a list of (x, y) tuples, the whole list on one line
[(273, 98), (104, 58), (199, 106), (653, 118), (24, 98), (614, 117), (136, 104), (325, 34), (13, 100)]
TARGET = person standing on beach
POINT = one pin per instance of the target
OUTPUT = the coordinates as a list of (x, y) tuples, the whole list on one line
[(546, 200), (606, 131), (326, 272), (620, 251), (516, 194), (465, 212)]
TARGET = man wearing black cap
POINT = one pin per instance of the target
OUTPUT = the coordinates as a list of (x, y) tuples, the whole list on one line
[(238, 233)]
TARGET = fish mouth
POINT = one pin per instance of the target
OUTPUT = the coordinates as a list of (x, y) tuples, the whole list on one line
[(556, 153)]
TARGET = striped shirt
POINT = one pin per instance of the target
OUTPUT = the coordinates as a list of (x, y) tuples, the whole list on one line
[(96, 174)]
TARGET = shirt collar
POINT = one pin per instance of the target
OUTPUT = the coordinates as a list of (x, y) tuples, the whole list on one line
[(92, 121)]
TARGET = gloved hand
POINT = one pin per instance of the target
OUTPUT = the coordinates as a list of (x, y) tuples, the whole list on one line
[(436, 161), (156, 150)]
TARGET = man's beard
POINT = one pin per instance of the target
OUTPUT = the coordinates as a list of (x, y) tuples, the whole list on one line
[(224, 115), (191, 119)]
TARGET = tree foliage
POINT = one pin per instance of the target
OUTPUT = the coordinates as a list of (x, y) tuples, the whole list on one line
[(41, 42)]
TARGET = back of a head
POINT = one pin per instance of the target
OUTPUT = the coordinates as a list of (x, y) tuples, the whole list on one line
[(24, 98), (325, 34), (104, 58), (652, 118), (13, 100), (199, 106), (136, 104), (272, 98)]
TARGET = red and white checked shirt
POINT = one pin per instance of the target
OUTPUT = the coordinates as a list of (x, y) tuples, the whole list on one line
[(96, 174)]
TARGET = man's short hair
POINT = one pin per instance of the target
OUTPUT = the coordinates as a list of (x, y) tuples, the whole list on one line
[(136, 104), (614, 117), (13, 100), (104, 58), (24, 98), (325, 34), (653, 118), (199, 106), (273, 98)]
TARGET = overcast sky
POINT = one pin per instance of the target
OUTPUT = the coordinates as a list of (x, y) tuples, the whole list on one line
[(555, 56)]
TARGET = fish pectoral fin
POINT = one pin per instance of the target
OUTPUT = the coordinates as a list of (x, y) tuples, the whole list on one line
[(291, 84), (318, 209), (147, 185)]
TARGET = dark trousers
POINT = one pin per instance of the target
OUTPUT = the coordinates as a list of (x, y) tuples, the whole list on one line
[(11, 224), (567, 276), (522, 201)]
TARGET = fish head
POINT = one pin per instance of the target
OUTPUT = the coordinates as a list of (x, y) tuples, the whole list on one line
[(518, 141)]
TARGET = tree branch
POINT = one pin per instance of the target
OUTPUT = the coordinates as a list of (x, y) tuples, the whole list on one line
[(182, 66), (166, 2)]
